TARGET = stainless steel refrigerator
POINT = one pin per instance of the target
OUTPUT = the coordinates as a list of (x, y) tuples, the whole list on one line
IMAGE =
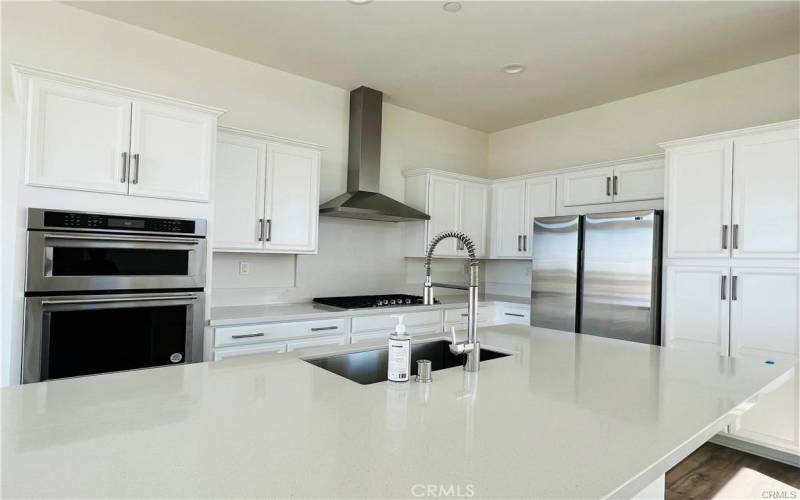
[(599, 274)]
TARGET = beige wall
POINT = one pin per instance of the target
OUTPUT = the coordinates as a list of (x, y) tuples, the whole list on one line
[(764, 93)]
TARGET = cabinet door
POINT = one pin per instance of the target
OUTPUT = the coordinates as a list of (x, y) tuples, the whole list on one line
[(697, 308), (235, 352), (473, 203), (587, 187), (292, 199), (698, 202), (507, 219), (540, 201), (639, 181), (171, 152), (766, 195), (765, 325), (316, 342), (77, 138), (239, 183), (443, 209)]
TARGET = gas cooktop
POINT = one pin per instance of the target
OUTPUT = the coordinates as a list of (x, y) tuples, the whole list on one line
[(365, 301)]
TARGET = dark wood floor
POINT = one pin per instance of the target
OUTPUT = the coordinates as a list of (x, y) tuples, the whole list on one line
[(714, 471)]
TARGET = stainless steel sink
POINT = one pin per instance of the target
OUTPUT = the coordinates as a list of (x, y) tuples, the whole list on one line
[(369, 367)]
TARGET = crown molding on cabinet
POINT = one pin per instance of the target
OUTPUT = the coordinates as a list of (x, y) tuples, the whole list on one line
[(270, 138), (21, 71), (730, 134), (413, 172)]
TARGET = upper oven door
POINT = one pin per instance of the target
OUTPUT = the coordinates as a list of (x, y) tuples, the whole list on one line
[(66, 261)]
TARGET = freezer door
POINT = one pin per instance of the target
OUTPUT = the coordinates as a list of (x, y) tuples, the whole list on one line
[(554, 280), (621, 276)]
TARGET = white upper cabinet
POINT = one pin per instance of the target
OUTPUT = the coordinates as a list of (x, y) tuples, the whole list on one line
[(292, 199), (239, 189), (540, 201), (516, 204), (473, 210), (766, 195), (735, 194), (454, 203), (508, 219), (266, 194), (90, 136), (697, 308), (171, 152), (77, 138), (636, 181), (698, 202), (587, 187)]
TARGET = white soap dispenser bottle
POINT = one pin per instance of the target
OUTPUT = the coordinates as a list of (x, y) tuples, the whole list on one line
[(399, 352)]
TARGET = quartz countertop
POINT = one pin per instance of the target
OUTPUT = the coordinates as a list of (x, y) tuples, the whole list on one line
[(565, 416), (239, 315)]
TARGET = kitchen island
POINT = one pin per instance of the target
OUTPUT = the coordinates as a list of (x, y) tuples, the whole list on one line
[(564, 416)]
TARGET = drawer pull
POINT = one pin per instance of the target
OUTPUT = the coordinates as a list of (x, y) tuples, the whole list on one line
[(515, 314), (464, 315), (247, 336), (322, 328)]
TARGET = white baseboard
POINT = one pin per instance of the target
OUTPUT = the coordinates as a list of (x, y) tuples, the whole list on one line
[(756, 449)]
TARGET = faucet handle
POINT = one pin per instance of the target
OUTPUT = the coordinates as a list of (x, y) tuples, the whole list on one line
[(453, 335)]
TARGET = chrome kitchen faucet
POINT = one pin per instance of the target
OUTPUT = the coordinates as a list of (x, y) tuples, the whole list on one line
[(471, 347)]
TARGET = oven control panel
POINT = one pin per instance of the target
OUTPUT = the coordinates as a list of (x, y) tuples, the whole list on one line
[(81, 220)]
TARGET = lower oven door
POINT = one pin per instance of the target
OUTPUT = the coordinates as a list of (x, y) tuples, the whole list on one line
[(73, 335)]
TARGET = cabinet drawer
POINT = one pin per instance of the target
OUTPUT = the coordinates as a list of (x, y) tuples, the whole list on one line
[(411, 320), (248, 334), (316, 342), (513, 316), (234, 352), (460, 315)]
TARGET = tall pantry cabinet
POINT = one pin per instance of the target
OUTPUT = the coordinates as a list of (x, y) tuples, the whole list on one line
[(732, 260)]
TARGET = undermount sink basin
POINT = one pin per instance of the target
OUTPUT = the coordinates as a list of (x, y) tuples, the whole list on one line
[(370, 367)]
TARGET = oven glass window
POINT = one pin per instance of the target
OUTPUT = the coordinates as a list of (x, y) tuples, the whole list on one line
[(107, 340), (72, 261)]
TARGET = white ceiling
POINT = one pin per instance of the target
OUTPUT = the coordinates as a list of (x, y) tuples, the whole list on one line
[(578, 54)]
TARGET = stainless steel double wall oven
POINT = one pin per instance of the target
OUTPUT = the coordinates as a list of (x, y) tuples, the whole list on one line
[(105, 293)]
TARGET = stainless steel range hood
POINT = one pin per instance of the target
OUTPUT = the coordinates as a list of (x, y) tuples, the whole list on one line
[(362, 199)]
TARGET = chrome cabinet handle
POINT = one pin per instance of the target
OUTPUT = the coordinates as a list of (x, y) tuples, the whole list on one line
[(519, 243), (515, 314), (608, 186), (260, 232), (135, 169), (123, 299), (125, 239), (124, 167), (268, 237), (464, 315), (524, 242), (735, 237), (615, 185), (723, 287), (247, 336), (734, 287), (322, 328), (724, 236)]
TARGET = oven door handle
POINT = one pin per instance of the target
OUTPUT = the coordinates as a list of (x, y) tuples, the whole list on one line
[(137, 239), (51, 302)]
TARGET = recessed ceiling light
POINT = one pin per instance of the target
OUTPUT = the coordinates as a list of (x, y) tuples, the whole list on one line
[(452, 6), (512, 69), (359, 2)]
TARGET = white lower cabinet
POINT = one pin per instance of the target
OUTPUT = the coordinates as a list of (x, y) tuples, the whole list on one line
[(458, 317), (744, 312), (371, 328), (235, 352)]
